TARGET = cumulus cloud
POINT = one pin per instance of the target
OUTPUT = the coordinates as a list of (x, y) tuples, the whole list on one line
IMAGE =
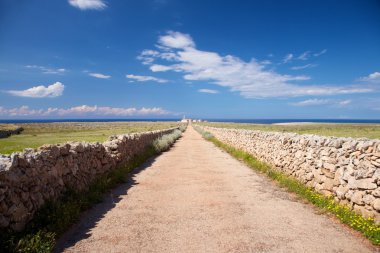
[(176, 40), (47, 70), (19, 111), (99, 75), (53, 90), (88, 4), (372, 78), (208, 91), (251, 79), (82, 110), (145, 78), (306, 66), (159, 68)]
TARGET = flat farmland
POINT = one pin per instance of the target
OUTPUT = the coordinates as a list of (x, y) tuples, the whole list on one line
[(38, 134), (371, 131)]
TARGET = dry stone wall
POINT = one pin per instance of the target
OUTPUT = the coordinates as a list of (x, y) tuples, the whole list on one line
[(30, 178), (348, 169), (7, 133)]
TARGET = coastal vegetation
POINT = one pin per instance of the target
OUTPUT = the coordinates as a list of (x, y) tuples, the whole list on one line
[(371, 131), (164, 143), (38, 134)]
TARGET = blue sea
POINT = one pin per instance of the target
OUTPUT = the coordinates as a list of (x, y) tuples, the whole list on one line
[(256, 121)]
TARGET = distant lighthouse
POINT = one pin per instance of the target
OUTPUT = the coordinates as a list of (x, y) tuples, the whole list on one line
[(184, 120)]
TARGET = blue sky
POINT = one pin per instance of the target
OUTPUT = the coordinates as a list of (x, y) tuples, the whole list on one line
[(199, 58)]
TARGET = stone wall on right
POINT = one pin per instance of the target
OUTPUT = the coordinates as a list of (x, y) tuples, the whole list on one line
[(347, 168)]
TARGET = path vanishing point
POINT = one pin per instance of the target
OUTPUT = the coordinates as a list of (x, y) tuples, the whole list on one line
[(197, 198)]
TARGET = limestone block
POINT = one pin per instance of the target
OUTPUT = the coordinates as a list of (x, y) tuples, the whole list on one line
[(376, 205), (357, 197), (364, 184)]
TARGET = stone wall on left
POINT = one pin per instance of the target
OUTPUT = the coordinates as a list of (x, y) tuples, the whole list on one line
[(31, 178)]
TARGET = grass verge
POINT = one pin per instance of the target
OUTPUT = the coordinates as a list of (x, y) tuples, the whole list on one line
[(56, 217), (366, 226)]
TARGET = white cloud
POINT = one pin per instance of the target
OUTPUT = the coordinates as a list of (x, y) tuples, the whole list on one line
[(251, 79), (288, 58), (316, 102), (208, 91), (265, 62), (146, 78), (373, 78), (159, 68), (320, 53), (344, 102), (53, 90), (47, 70), (312, 102), (88, 4), (83, 110), (304, 66), (304, 56), (19, 111), (176, 40), (147, 57), (99, 75)]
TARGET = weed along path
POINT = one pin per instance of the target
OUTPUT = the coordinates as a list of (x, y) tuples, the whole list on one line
[(196, 198)]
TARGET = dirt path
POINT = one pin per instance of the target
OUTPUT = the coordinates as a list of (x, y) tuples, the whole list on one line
[(196, 198)]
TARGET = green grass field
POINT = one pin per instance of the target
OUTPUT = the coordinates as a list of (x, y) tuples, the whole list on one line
[(371, 131), (38, 134)]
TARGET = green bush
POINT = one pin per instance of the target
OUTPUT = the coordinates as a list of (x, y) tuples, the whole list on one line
[(164, 143), (42, 242)]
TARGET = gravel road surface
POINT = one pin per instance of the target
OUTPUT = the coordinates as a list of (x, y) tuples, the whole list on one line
[(197, 198)]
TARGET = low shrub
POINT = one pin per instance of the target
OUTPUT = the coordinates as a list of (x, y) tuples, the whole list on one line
[(164, 143), (183, 127), (205, 134)]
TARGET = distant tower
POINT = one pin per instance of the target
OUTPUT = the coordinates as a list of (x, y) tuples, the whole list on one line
[(184, 120)]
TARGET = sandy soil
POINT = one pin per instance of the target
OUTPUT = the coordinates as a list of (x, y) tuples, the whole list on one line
[(196, 198)]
